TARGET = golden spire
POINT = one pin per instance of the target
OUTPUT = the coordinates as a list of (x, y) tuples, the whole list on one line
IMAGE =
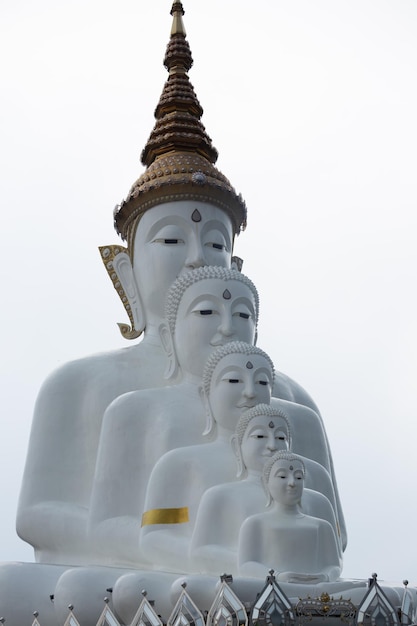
[(177, 24), (178, 112), (179, 155)]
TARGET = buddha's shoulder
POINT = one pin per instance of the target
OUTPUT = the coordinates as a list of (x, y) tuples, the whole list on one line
[(184, 459), (153, 400), (103, 366), (288, 389)]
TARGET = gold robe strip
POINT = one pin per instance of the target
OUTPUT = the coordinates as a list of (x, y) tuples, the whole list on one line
[(165, 516)]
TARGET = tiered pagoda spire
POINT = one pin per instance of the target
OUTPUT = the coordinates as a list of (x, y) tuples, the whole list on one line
[(178, 112)]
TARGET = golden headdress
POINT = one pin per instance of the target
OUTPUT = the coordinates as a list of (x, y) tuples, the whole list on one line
[(179, 155)]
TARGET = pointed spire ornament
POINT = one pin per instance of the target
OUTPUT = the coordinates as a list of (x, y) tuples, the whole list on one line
[(272, 607), (179, 155), (185, 612), (145, 615), (178, 112), (107, 617), (226, 607), (177, 12), (376, 608), (408, 607)]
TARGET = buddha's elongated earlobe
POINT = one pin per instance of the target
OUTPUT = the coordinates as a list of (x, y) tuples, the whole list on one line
[(168, 345), (119, 267), (241, 469), (210, 422)]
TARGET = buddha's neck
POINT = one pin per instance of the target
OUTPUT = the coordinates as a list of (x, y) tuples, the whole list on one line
[(287, 509), (223, 434), (254, 477), (151, 334), (191, 378)]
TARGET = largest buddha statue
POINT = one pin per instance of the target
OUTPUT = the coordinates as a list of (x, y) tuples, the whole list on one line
[(180, 215)]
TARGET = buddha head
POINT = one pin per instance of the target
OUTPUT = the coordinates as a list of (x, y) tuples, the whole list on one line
[(260, 433), (206, 308), (283, 479), (169, 239), (182, 212), (236, 377)]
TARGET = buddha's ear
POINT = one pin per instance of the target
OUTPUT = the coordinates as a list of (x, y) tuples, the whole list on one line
[(168, 346), (210, 423), (238, 454), (123, 268)]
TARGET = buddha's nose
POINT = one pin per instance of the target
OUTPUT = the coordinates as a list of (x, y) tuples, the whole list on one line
[(226, 325), (272, 444), (195, 257), (249, 390)]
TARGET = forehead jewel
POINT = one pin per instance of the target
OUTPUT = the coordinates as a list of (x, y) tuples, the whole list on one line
[(196, 216), (226, 294), (271, 424), (291, 467), (249, 365)]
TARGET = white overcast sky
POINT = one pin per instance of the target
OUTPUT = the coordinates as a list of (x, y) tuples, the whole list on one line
[(312, 105)]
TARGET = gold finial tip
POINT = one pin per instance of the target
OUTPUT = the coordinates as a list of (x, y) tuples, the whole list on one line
[(177, 12)]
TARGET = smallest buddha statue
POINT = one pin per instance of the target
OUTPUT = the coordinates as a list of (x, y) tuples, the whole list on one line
[(299, 547)]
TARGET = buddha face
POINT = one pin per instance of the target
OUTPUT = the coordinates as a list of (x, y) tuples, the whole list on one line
[(286, 481), (239, 382), (212, 312), (175, 237), (263, 437)]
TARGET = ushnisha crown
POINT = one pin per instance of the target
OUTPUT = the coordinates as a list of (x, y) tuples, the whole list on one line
[(179, 155)]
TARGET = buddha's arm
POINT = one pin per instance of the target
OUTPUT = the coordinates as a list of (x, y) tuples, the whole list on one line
[(250, 549), (118, 490), (56, 530), (340, 515), (317, 505), (328, 548), (211, 545), (57, 478), (318, 479), (168, 500)]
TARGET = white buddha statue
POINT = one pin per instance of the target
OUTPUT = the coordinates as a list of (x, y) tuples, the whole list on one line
[(206, 308), (182, 213), (260, 433), (236, 377), (299, 547)]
